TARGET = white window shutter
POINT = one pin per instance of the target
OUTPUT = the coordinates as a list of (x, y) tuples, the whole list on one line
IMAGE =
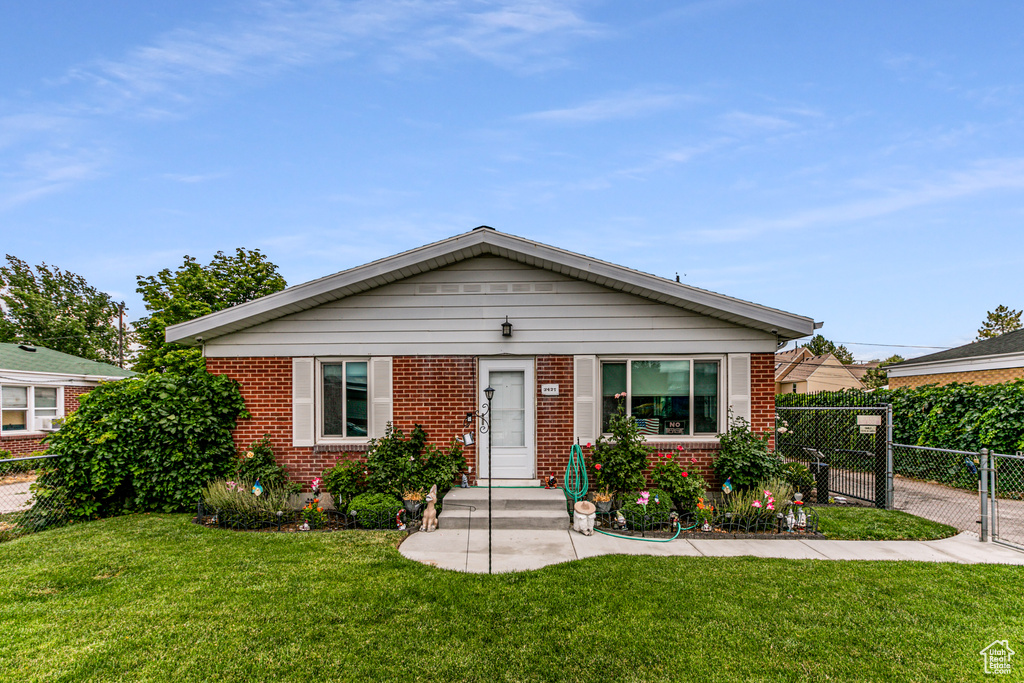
[(381, 393), (303, 416), (585, 403), (739, 385)]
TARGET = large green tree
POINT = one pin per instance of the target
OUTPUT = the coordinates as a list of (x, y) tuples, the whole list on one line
[(999, 321), (878, 376), (194, 290), (819, 346), (57, 309)]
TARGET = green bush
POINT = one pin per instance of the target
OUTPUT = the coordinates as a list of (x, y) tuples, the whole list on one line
[(657, 511), (374, 510), (744, 457), (622, 456), (672, 474), (798, 476), (146, 443), (258, 463), (345, 481), (397, 465)]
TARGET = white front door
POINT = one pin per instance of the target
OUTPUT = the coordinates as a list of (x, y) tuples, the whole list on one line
[(511, 419)]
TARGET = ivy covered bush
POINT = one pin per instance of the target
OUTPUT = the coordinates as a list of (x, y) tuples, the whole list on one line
[(146, 443), (374, 510)]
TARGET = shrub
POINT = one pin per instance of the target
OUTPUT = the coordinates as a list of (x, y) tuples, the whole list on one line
[(658, 508), (744, 457), (258, 463), (146, 443), (622, 457), (798, 476), (374, 510), (345, 481), (236, 499), (755, 509), (673, 475), (396, 464)]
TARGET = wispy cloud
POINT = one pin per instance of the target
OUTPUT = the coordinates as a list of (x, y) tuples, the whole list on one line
[(193, 178), (43, 173), (621, 106), (983, 176)]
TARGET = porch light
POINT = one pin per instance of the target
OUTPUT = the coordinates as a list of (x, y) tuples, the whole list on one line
[(506, 329), (489, 392)]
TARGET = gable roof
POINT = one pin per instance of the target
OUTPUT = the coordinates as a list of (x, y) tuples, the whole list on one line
[(1008, 343), (481, 241), (18, 358)]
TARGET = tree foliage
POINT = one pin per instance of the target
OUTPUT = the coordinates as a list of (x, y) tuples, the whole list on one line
[(146, 443), (57, 309), (999, 321), (194, 290), (878, 376), (819, 346)]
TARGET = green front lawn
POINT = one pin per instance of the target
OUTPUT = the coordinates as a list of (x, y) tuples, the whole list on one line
[(872, 524), (154, 597)]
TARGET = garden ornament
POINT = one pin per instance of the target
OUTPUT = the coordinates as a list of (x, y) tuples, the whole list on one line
[(801, 520), (430, 515), (398, 521), (583, 517), (465, 481), (790, 519), (620, 520), (552, 482), (257, 488)]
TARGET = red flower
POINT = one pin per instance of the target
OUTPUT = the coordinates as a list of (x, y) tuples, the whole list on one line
[(686, 474), (679, 448), (597, 467)]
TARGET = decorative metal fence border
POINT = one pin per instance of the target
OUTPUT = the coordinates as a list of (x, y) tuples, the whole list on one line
[(767, 522), (288, 521)]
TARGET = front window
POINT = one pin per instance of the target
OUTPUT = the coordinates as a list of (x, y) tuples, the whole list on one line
[(677, 397), (344, 399), (21, 407)]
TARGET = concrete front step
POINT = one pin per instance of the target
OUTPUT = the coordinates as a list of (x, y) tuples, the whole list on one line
[(530, 508)]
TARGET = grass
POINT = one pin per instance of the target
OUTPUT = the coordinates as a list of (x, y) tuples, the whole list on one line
[(878, 525), (156, 598)]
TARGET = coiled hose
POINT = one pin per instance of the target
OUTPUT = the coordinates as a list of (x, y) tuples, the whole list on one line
[(576, 484)]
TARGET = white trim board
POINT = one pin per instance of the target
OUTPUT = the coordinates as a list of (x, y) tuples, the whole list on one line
[(1000, 362)]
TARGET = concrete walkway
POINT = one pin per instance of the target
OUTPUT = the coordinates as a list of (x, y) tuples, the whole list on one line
[(15, 497), (520, 550)]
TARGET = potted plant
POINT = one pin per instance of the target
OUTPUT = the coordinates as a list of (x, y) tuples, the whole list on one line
[(412, 500), (602, 500)]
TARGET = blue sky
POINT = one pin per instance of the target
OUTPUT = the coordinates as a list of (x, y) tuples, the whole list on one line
[(858, 162)]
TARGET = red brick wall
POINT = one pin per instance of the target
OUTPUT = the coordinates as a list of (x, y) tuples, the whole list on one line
[(554, 416), (762, 394), (20, 446), (437, 392)]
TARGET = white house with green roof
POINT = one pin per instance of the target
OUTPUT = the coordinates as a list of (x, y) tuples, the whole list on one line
[(39, 385)]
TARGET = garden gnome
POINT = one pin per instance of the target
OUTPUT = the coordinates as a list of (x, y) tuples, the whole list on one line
[(465, 481), (552, 483), (430, 516), (583, 517), (790, 519)]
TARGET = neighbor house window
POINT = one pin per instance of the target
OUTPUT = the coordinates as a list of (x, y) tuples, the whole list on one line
[(21, 407), (344, 399), (673, 397)]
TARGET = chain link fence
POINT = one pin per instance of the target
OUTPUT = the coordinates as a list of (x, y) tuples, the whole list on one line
[(27, 499), (938, 484), (1008, 499)]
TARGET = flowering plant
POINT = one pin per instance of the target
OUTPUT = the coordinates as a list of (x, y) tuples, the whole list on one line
[(682, 483), (622, 455), (705, 512), (314, 515)]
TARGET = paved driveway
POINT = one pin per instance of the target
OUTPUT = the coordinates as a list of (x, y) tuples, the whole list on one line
[(956, 507), (15, 497)]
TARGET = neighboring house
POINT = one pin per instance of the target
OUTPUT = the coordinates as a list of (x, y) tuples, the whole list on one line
[(38, 385), (797, 371), (990, 361), (415, 339)]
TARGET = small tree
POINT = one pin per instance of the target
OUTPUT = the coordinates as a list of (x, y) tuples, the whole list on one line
[(819, 346), (878, 376), (999, 321), (623, 456)]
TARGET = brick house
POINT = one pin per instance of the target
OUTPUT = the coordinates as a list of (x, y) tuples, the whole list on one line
[(415, 338), (39, 385), (989, 361)]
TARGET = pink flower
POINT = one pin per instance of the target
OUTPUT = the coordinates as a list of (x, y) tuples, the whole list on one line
[(588, 444), (686, 474), (771, 504), (679, 448), (767, 494), (693, 460), (756, 504), (316, 482)]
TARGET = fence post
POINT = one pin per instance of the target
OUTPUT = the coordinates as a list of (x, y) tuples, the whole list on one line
[(983, 493), (889, 463)]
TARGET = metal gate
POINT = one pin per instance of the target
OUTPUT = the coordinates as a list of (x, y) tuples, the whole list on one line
[(847, 448), (1002, 498)]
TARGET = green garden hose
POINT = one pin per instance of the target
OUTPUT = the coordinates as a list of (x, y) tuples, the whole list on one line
[(576, 484), (679, 528)]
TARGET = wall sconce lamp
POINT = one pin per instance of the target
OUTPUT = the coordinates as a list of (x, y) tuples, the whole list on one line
[(506, 329)]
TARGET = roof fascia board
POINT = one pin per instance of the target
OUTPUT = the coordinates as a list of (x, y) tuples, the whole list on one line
[(30, 376), (970, 364), (477, 243)]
